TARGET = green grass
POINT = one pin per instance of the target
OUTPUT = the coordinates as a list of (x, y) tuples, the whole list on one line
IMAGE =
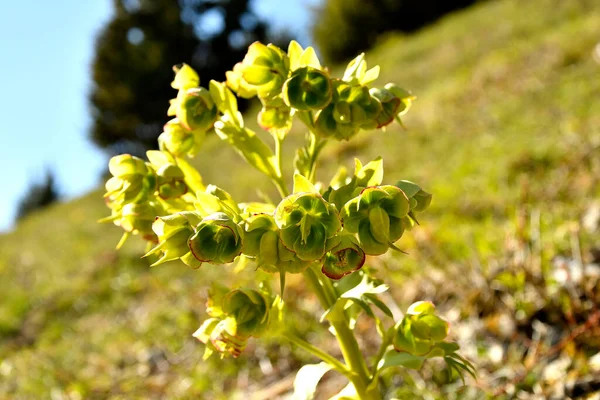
[(507, 118)]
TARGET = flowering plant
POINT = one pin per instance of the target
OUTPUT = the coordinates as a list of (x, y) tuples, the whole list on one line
[(323, 232)]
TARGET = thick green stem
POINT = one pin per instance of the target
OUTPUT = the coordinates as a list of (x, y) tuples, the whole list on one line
[(345, 337), (279, 181), (337, 365), (316, 145)]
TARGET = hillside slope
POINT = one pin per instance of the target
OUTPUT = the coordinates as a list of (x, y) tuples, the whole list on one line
[(505, 134)]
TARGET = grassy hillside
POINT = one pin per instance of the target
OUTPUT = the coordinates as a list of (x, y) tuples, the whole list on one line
[(505, 134)]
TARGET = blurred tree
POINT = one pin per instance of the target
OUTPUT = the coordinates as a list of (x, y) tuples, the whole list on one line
[(135, 53), (38, 196), (344, 28)]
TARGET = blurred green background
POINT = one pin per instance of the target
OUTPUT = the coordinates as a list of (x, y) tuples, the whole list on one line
[(505, 133)]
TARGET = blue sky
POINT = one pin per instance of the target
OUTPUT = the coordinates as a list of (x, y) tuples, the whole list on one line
[(47, 49)]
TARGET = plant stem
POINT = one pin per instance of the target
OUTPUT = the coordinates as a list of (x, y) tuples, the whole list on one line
[(316, 145), (279, 181), (345, 337), (337, 365)]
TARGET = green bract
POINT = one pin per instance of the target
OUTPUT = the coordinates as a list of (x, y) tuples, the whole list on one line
[(306, 221), (185, 78), (307, 89), (420, 330), (218, 240), (376, 215)]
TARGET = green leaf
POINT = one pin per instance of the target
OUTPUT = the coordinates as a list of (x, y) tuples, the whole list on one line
[(224, 99), (347, 393), (396, 359), (307, 379), (250, 147), (301, 184), (366, 286), (371, 174)]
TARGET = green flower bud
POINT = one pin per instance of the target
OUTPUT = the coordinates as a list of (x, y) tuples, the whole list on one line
[(376, 215), (132, 181), (390, 106), (276, 120), (265, 68), (406, 98), (344, 257), (236, 82), (218, 240), (420, 330), (196, 109), (171, 184), (307, 89), (125, 165), (180, 141), (137, 219), (174, 232), (244, 313), (306, 221)]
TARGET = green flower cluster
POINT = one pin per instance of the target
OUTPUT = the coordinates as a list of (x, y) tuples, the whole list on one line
[(195, 113), (332, 227), (138, 191), (295, 82)]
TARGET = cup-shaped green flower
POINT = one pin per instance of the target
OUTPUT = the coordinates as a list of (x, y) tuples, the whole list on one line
[(264, 69), (376, 216), (137, 218), (171, 183), (173, 232), (218, 240), (180, 141), (250, 310), (344, 256), (261, 239), (420, 330), (307, 89), (306, 222), (132, 181), (352, 108), (196, 109), (244, 313), (262, 242)]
